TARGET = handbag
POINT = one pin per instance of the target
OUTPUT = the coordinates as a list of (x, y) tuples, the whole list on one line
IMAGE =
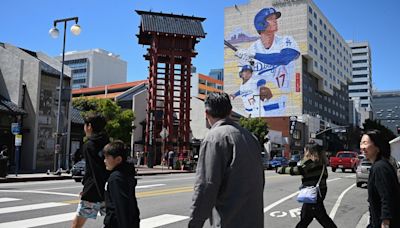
[(309, 194)]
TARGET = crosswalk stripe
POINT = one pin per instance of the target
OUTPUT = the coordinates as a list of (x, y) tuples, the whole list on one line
[(160, 220), (30, 207), (5, 199), (41, 221)]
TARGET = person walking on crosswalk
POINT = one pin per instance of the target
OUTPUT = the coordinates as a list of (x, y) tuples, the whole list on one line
[(314, 172), (229, 175), (96, 175), (121, 205)]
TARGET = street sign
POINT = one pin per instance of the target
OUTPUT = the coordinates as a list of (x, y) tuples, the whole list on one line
[(18, 140), (15, 128), (292, 124)]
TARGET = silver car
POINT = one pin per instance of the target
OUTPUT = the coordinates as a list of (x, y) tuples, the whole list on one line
[(362, 172)]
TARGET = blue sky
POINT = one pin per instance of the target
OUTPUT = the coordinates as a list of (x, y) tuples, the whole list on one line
[(112, 25)]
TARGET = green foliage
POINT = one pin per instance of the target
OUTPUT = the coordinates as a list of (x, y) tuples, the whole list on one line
[(375, 124), (119, 121), (257, 126)]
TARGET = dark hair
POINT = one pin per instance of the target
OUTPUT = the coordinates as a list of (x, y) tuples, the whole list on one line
[(379, 141), (316, 150), (218, 105), (96, 120), (115, 149)]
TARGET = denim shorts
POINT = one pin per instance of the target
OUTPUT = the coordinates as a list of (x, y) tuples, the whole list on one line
[(90, 210)]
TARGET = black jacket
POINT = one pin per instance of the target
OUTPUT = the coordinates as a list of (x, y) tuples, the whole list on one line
[(96, 174), (121, 205), (383, 194)]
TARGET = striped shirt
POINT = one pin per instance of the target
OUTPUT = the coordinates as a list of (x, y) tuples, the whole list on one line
[(311, 172)]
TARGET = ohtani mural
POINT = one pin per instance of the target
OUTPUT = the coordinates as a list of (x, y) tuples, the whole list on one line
[(266, 66)]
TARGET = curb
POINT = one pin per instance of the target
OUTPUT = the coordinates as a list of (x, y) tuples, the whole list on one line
[(160, 173), (25, 179), (65, 177)]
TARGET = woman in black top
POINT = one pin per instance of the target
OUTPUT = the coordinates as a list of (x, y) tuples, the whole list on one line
[(314, 163), (383, 185)]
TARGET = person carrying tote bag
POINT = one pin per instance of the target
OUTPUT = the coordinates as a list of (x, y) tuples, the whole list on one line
[(314, 174)]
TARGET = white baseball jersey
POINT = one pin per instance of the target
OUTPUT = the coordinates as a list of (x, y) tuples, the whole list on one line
[(280, 75), (246, 92)]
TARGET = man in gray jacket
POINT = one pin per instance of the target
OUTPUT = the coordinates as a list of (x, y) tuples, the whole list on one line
[(230, 175)]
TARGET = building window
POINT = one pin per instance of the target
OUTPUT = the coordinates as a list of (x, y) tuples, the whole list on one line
[(360, 68), (310, 22), (310, 9), (358, 90), (360, 61), (315, 28), (315, 51), (358, 83), (310, 34), (360, 76), (310, 47), (315, 15)]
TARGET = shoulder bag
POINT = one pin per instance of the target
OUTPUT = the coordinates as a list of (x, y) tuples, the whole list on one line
[(309, 194)]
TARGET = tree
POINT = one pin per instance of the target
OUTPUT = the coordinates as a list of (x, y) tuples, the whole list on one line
[(119, 121), (375, 124), (257, 126)]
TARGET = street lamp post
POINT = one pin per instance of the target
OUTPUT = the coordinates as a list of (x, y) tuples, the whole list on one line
[(76, 30)]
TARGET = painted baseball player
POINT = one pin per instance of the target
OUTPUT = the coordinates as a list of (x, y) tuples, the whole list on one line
[(252, 88), (273, 55), (249, 87)]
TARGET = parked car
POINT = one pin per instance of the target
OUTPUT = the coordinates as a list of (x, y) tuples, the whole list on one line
[(78, 170), (344, 160), (265, 160), (362, 172), (278, 162), (294, 160)]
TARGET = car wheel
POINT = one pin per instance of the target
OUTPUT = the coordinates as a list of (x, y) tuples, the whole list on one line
[(333, 169), (343, 170), (359, 184), (77, 179)]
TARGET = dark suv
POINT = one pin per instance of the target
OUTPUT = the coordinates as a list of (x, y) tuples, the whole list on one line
[(78, 170)]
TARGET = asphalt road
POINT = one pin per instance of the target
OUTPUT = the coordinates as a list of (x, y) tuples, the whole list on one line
[(164, 201)]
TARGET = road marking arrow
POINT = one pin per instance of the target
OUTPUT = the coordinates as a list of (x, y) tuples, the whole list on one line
[(278, 214), (295, 212)]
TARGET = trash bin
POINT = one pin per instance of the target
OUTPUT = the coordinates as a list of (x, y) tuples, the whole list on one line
[(3, 166)]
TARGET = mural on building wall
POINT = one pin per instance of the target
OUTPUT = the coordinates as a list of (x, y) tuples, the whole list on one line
[(264, 63), (45, 106)]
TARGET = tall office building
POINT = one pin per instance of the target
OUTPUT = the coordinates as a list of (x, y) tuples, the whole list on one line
[(202, 85), (217, 74), (95, 68), (360, 89), (387, 109), (301, 65)]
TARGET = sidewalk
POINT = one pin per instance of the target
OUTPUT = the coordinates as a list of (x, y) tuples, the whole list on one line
[(141, 171)]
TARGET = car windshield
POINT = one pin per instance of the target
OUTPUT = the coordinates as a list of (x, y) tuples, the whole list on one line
[(366, 162), (295, 157), (345, 155)]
